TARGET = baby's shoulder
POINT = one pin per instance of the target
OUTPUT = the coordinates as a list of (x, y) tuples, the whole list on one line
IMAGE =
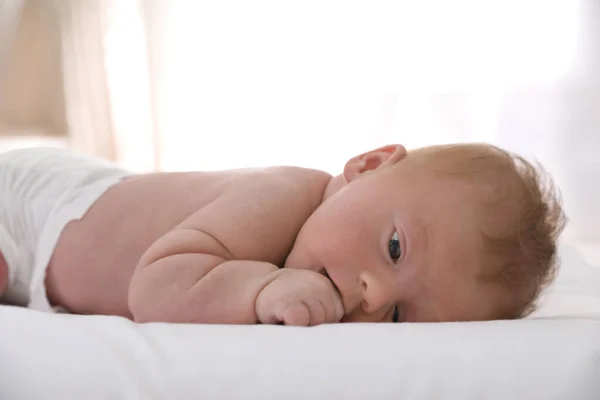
[(311, 182), (290, 190), (261, 206)]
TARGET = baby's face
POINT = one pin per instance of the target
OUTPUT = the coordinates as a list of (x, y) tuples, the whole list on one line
[(398, 245)]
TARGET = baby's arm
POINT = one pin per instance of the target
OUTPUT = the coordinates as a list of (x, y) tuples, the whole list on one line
[(185, 277), (190, 287), (200, 271)]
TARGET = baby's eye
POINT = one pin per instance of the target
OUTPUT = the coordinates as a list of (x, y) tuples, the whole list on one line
[(394, 247)]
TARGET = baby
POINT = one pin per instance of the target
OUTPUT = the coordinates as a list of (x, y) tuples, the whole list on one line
[(446, 233)]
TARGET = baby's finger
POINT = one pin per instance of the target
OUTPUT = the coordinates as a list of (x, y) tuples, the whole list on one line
[(318, 312), (296, 315), (336, 312)]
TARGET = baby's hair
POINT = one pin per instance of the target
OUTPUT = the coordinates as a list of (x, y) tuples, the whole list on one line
[(520, 219)]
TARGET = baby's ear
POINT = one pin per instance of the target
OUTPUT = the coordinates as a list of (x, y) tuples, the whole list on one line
[(374, 159)]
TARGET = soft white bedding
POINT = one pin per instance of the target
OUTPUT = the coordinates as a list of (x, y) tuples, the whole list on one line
[(555, 355), (66, 357)]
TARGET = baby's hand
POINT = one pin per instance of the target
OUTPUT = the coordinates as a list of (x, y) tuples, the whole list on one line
[(299, 297)]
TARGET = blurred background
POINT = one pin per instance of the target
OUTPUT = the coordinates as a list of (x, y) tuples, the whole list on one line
[(160, 85)]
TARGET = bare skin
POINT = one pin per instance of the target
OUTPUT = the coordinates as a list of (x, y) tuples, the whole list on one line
[(384, 241), (208, 219)]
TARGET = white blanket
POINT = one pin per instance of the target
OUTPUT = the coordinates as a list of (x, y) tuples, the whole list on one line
[(553, 356)]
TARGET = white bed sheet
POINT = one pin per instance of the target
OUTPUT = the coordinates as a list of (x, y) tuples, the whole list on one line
[(553, 355), (67, 357)]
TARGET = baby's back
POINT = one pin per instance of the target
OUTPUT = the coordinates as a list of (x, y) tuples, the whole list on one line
[(96, 256)]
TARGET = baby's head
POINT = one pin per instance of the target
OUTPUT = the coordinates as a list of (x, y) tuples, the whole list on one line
[(446, 233)]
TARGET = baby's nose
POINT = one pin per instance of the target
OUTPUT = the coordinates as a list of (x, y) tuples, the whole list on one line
[(374, 293)]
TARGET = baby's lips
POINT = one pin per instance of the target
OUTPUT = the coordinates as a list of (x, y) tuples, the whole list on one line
[(322, 271)]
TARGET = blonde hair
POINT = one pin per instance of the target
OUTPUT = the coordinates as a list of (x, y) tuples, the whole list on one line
[(519, 214)]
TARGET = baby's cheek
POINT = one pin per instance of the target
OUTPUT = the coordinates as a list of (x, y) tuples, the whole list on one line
[(299, 258)]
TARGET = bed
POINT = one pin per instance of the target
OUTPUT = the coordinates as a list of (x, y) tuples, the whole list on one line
[(554, 354)]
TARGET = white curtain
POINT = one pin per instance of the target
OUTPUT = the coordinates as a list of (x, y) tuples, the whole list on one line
[(312, 83), (173, 85), (31, 97), (106, 79)]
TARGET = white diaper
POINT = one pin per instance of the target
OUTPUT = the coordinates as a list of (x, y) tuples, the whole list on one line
[(41, 191)]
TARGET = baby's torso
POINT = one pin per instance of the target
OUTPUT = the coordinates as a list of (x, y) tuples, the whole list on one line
[(95, 256)]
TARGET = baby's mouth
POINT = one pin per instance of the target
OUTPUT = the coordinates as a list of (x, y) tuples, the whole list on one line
[(323, 271)]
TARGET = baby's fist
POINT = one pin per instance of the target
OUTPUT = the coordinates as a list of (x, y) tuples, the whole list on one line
[(299, 297)]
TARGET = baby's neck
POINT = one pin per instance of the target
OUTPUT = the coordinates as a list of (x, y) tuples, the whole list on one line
[(335, 184)]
